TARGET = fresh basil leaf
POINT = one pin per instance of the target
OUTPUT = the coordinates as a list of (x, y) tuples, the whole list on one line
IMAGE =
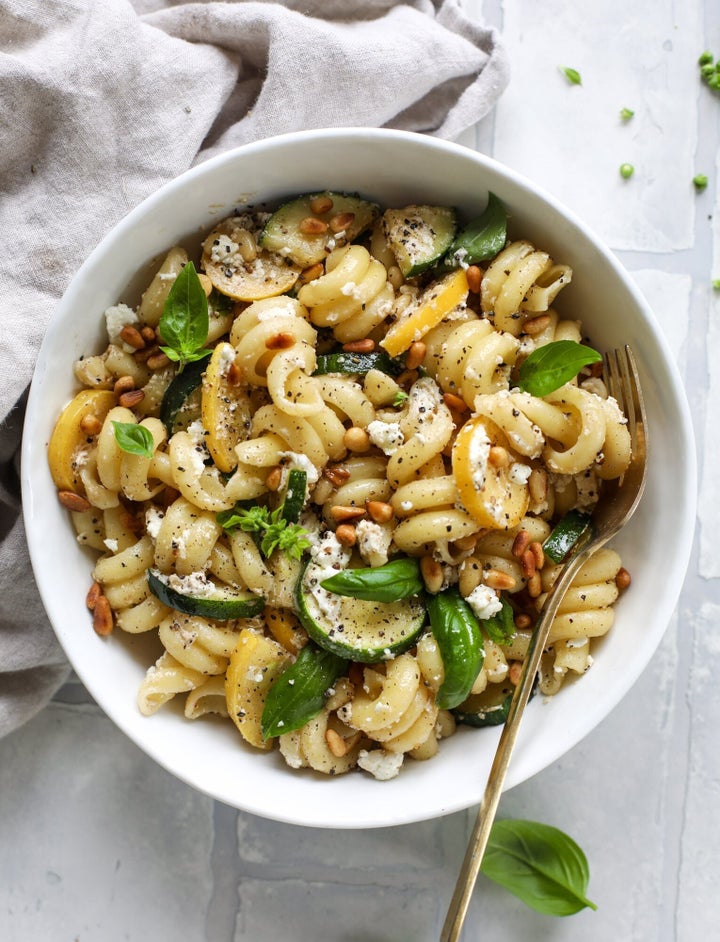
[(482, 238), (572, 75), (457, 632), (134, 439), (554, 364), (398, 579), (500, 628), (540, 864), (185, 321), (300, 691)]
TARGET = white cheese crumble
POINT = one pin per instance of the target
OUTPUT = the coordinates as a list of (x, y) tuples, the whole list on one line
[(117, 317), (153, 521), (294, 461), (196, 584), (479, 452), (519, 472), (387, 436), (373, 542), (484, 601), (112, 545), (227, 358), (196, 431), (381, 764)]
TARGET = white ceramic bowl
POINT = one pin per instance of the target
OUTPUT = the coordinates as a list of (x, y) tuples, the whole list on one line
[(394, 168)]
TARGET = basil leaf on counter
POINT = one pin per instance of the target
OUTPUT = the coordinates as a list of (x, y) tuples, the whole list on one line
[(554, 364), (185, 320), (396, 580), (482, 238), (539, 864), (300, 692), (134, 439)]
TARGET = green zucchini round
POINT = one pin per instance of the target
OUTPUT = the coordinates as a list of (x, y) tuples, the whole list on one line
[(221, 604)]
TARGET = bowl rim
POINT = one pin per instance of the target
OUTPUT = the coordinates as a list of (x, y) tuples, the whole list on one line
[(207, 169)]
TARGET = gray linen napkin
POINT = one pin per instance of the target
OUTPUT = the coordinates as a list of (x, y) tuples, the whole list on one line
[(104, 102)]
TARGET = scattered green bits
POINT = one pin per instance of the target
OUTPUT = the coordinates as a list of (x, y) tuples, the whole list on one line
[(572, 75), (700, 181), (627, 113), (626, 171), (709, 70), (706, 58)]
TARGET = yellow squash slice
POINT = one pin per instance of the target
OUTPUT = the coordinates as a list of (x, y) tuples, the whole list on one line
[(435, 304), (253, 276), (68, 438), (254, 665), (225, 409)]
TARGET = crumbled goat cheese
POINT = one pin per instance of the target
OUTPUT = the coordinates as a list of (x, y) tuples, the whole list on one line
[(153, 521), (196, 431), (227, 358), (112, 545), (351, 290), (479, 452), (519, 472), (383, 765), (293, 461), (117, 317), (387, 436), (373, 542), (224, 251), (194, 583), (484, 601)]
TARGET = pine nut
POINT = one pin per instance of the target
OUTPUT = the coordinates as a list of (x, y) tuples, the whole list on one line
[(281, 341), (522, 621), (520, 543), (93, 595), (596, 369), (356, 439), (455, 402), (622, 579), (123, 384), (346, 535), (336, 744), (233, 375), (90, 424), (498, 457), (74, 502), (379, 510), (148, 333), (497, 579), (534, 585), (432, 574), (538, 484), (130, 399), (467, 543), (311, 273), (321, 204), (311, 225), (470, 576), (341, 222), (142, 356), (538, 553), (132, 336), (406, 378), (415, 355), (474, 278), (206, 284), (536, 325), (515, 672), (360, 346), (341, 513), (158, 361), (336, 475), (102, 616), (527, 564), (272, 481)]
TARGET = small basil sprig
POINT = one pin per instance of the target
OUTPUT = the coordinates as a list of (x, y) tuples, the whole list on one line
[(482, 238), (185, 320), (554, 364), (273, 530), (540, 864), (134, 439), (500, 628), (300, 692), (396, 580), (457, 632)]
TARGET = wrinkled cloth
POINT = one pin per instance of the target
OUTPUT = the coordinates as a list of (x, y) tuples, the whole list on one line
[(105, 101)]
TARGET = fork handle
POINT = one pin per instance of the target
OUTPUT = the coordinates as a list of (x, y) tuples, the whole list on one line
[(452, 927)]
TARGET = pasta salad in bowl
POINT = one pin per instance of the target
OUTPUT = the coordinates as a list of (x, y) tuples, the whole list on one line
[(323, 455)]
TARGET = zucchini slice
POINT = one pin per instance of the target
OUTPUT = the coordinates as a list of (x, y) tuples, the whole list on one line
[(489, 708), (180, 404), (571, 528), (295, 493), (352, 628), (419, 236), (199, 596), (358, 363), (282, 232)]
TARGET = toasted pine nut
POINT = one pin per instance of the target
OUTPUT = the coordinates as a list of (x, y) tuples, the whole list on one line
[(379, 510), (498, 457), (281, 341), (321, 204), (455, 402), (345, 534), (406, 378), (102, 616), (158, 361), (130, 399), (93, 595), (432, 574), (247, 246), (336, 744), (534, 585), (123, 384), (522, 620), (596, 369), (356, 439), (74, 502), (336, 475), (515, 672), (207, 285), (234, 374), (148, 333), (538, 553), (536, 325), (142, 356), (497, 579), (132, 336), (415, 355), (520, 543), (622, 579), (342, 513), (311, 225), (538, 484), (527, 564), (90, 424), (360, 346), (474, 278), (272, 481), (311, 273), (340, 222)]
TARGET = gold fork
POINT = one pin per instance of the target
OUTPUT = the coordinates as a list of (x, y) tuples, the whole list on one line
[(618, 503)]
